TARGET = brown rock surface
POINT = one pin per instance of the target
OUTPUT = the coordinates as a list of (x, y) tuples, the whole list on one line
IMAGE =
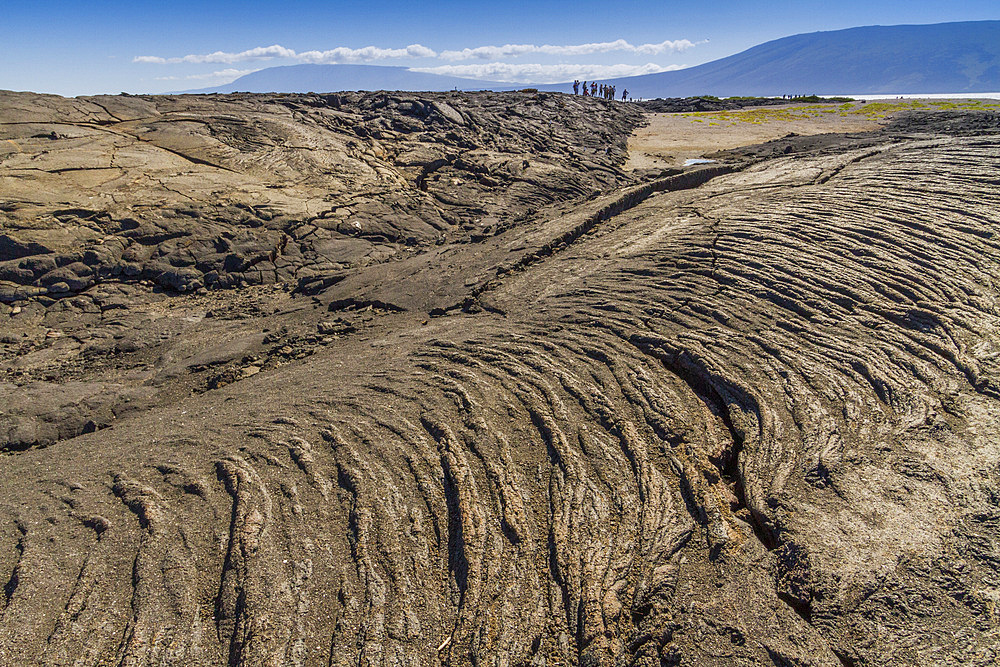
[(458, 391)]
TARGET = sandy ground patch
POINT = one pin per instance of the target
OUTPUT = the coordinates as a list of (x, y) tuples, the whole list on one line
[(671, 138)]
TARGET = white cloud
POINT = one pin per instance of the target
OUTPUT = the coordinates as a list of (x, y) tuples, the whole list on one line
[(513, 50), (668, 46), (536, 73), (343, 54), (258, 53)]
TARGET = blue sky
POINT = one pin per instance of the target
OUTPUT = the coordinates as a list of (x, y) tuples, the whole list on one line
[(76, 48)]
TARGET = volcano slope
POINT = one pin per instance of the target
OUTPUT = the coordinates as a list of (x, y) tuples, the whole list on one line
[(737, 415)]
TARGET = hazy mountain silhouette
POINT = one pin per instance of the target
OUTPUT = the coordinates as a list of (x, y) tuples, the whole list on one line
[(330, 78)]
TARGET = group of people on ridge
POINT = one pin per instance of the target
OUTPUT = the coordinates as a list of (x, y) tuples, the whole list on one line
[(595, 90)]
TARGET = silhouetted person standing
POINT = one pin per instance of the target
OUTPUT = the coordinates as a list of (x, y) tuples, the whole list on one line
[(624, 94), (576, 87)]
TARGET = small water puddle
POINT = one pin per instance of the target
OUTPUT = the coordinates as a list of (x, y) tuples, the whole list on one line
[(697, 160)]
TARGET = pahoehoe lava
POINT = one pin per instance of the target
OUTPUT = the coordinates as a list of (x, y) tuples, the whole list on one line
[(386, 379)]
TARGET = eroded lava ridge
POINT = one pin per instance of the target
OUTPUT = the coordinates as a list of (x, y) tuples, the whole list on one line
[(387, 379)]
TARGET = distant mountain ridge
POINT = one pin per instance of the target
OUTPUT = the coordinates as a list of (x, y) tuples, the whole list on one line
[(938, 58)]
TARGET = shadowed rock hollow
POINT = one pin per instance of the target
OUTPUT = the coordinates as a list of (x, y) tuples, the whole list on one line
[(375, 379)]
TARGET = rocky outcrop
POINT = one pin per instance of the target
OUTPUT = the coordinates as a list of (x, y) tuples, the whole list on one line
[(220, 191), (710, 103)]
